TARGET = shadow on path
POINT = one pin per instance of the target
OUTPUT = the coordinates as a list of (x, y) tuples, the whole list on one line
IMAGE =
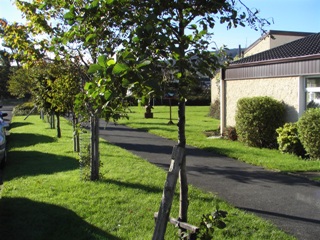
[(287, 217)]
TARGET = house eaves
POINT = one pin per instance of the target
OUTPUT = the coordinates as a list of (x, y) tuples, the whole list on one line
[(275, 61)]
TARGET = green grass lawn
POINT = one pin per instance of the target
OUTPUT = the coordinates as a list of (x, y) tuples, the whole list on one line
[(198, 121), (43, 196)]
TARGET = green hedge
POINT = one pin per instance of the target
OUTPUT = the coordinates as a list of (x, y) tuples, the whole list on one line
[(309, 129), (257, 119)]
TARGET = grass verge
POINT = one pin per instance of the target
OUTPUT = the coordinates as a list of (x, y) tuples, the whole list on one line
[(198, 121), (43, 196)]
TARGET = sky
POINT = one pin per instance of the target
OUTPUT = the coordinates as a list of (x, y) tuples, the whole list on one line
[(284, 15)]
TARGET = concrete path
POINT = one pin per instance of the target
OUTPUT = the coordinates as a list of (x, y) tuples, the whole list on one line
[(290, 202)]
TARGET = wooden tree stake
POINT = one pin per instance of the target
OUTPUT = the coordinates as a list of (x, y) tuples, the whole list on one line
[(168, 193)]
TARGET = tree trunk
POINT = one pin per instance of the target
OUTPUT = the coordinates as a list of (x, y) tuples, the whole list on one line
[(183, 212), (94, 121), (76, 138), (168, 193), (52, 121), (58, 126)]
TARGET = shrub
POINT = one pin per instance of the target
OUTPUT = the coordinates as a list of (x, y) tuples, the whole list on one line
[(308, 130), (215, 109), (24, 109), (230, 133), (288, 140), (257, 119)]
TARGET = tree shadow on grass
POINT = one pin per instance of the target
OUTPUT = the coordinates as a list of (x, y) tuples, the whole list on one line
[(21, 218), (33, 163), (19, 124), (138, 186), (26, 139)]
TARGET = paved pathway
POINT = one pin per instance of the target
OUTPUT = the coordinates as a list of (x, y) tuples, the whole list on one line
[(292, 203)]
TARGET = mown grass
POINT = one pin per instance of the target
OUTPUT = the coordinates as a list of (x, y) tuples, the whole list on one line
[(198, 121), (43, 196)]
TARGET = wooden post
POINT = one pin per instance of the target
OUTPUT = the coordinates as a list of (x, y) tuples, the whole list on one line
[(184, 201), (183, 225), (168, 193)]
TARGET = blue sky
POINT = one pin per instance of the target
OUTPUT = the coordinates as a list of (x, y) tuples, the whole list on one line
[(287, 15)]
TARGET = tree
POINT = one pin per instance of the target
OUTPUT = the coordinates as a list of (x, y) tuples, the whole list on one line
[(179, 31), (5, 64)]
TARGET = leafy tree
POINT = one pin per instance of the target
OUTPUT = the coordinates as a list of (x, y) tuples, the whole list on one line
[(74, 30), (19, 84), (5, 64), (51, 86), (179, 31)]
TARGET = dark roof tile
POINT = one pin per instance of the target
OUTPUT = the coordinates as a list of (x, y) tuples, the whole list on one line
[(306, 46)]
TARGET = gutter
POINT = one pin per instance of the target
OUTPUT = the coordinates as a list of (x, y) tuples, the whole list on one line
[(273, 61)]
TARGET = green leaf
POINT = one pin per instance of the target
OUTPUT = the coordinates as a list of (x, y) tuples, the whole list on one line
[(178, 75), (69, 16), (102, 61), (143, 63), (95, 3), (125, 82), (120, 68), (193, 26), (94, 68), (107, 95), (91, 36), (111, 62), (135, 39), (87, 86)]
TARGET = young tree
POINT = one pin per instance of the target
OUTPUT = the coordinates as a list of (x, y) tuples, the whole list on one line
[(180, 32)]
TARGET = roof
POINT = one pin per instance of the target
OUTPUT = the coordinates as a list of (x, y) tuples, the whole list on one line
[(278, 32), (307, 46)]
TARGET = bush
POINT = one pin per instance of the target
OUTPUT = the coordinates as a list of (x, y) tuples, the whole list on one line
[(230, 133), (215, 109), (308, 130), (257, 119), (288, 140), (24, 109)]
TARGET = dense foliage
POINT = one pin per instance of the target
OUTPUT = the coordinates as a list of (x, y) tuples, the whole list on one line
[(288, 139), (308, 129), (257, 119)]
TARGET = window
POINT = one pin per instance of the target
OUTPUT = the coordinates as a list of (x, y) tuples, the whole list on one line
[(313, 92)]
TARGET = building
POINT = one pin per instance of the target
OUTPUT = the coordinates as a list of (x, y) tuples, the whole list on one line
[(289, 72)]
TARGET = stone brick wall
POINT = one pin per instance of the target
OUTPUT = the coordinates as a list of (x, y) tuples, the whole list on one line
[(283, 89)]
